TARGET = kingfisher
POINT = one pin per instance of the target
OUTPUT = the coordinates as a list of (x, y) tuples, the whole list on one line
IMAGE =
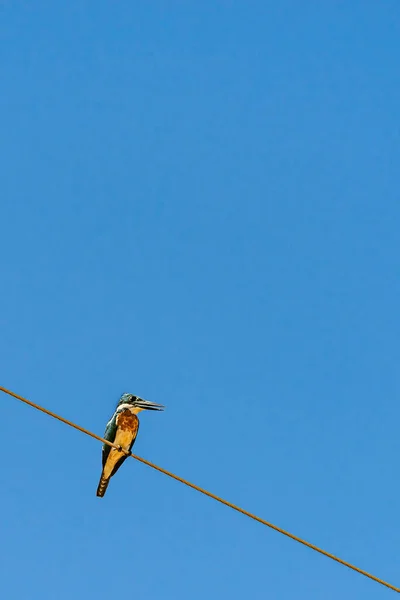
[(121, 430)]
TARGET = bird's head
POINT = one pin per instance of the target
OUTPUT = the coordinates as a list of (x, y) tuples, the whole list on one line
[(138, 403)]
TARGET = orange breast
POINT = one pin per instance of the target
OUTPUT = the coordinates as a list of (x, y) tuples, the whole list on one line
[(127, 421)]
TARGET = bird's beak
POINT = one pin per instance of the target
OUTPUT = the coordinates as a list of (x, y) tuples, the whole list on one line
[(147, 405)]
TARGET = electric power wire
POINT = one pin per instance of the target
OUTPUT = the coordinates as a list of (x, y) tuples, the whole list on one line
[(205, 492)]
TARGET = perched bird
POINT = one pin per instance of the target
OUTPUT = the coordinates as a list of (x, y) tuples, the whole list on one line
[(121, 430)]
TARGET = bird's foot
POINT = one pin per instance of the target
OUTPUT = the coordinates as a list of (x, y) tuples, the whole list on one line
[(121, 449)]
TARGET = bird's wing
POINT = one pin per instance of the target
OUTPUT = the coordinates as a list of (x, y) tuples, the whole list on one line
[(109, 434)]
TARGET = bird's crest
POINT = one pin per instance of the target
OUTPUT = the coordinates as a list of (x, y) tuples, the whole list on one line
[(127, 399), (138, 402)]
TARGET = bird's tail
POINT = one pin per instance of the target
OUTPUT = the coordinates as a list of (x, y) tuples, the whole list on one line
[(103, 485)]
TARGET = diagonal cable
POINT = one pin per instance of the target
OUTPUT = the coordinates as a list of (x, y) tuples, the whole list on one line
[(206, 493)]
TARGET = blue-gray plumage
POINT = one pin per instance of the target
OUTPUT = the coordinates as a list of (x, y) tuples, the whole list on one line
[(122, 430)]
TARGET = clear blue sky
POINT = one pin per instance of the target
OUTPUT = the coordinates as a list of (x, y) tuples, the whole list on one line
[(200, 205)]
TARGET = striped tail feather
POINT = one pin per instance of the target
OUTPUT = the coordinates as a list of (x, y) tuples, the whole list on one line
[(103, 485)]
